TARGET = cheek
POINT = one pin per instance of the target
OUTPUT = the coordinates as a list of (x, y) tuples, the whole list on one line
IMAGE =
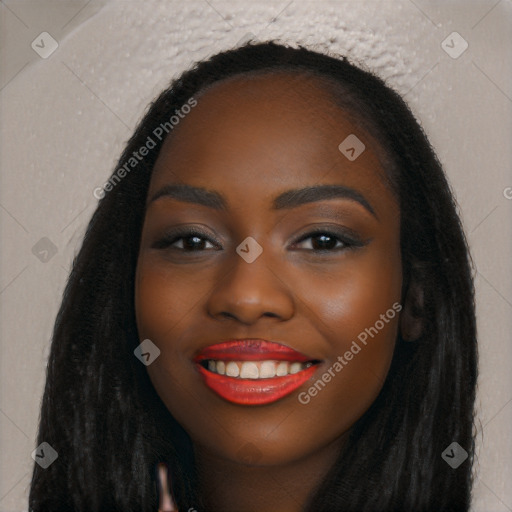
[(360, 313), (167, 305), (163, 301), (352, 297), (347, 385), (356, 305)]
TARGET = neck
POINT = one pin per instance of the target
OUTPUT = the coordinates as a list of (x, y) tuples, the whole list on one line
[(232, 486)]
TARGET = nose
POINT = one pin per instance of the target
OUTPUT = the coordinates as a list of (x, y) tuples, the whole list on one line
[(248, 291)]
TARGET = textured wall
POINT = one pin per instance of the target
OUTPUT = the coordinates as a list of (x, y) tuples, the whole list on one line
[(66, 117)]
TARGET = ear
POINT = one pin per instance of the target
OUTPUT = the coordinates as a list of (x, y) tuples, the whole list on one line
[(411, 318)]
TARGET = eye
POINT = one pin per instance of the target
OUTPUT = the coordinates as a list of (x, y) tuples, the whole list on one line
[(323, 240), (192, 240)]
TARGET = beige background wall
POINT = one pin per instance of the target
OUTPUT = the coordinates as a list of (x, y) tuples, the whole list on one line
[(65, 118)]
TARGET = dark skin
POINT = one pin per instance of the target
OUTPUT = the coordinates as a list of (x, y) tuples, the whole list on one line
[(251, 140)]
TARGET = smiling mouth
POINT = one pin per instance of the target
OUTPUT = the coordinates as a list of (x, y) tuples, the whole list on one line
[(253, 372), (255, 369)]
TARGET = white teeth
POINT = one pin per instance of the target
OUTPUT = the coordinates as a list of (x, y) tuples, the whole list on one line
[(256, 369), (221, 367), (249, 371), (267, 369), (295, 368), (282, 369), (232, 369)]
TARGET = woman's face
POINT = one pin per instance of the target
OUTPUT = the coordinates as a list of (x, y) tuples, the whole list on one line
[(257, 271)]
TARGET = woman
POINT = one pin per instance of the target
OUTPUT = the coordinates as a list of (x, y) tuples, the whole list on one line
[(280, 249)]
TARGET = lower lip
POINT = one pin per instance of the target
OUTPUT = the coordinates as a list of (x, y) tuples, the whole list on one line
[(255, 391)]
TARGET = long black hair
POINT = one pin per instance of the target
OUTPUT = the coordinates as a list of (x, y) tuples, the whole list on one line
[(101, 413)]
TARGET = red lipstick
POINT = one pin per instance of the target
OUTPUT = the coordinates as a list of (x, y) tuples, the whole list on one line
[(253, 371)]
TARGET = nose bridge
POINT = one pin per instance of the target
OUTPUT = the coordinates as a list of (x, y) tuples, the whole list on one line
[(251, 286), (252, 264)]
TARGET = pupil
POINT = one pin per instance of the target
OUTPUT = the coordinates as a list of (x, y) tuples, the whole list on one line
[(193, 246), (325, 245)]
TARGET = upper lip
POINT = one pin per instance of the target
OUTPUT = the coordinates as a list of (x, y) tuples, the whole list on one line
[(250, 349)]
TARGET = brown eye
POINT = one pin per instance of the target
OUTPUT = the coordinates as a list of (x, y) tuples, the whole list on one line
[(328, 241), (193, 241)]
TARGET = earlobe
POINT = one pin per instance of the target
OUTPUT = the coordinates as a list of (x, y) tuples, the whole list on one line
[(411, 319)]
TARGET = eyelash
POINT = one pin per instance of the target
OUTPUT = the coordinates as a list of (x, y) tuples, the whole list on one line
[(349, 242)]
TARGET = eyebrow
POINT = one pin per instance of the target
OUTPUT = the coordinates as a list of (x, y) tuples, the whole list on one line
[(284, 201)]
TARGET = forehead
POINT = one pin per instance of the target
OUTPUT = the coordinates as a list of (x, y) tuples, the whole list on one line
[(266, 133)]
